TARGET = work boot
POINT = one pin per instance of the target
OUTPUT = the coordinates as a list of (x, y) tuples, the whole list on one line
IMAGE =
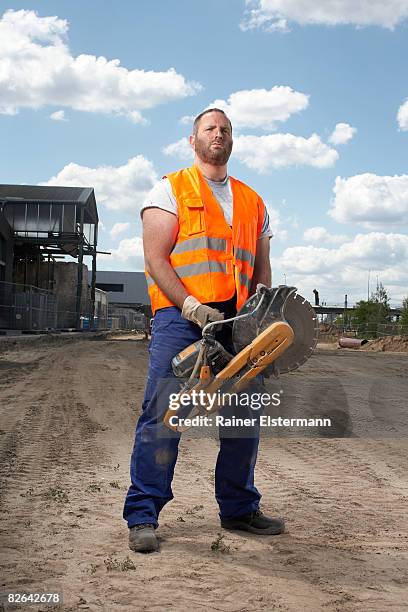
[(142, 538), (255, 522)]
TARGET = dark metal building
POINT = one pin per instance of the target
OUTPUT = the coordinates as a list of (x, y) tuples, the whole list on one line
[(6, 249), (127, 294), (127, 289), (47, 223)]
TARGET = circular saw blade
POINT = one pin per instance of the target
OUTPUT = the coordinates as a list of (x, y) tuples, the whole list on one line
[(281, 304)]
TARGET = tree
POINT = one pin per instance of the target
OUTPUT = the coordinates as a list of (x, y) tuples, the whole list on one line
[(343, 321), (339, 321), (372, 312)]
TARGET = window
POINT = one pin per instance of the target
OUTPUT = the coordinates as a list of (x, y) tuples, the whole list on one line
[(110, 287)]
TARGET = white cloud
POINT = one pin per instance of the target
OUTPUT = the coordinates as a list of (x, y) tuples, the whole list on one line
[(129, 247), (402, 116), (334, 286), (38, 69), (322, 236), (129, 253), (342, 133), (58, 116), (187, 120), (181, 149), (371, 200), (294, 221), (260, 108), (121, 188), (278, 14), (119, 228), (276, 224), (376, 250), (263, 153), (344, 269)]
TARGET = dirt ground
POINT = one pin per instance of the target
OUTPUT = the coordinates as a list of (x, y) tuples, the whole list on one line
[(68, 412)]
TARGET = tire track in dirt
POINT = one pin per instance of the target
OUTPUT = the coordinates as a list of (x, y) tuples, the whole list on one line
[(345, 523), (26, 417), (306, 467), (52, 447), (55, 430), (286, 556), (336, 496), (189, 513)]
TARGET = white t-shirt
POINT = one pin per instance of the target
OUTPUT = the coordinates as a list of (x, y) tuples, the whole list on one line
[(161, 196)]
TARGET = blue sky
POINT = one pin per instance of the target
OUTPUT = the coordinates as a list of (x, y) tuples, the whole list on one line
[(283, 71)]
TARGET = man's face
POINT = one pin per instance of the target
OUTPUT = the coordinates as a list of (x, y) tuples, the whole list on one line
[(213, 141)]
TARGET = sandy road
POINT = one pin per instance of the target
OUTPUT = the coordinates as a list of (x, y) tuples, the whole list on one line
[(67, 419)]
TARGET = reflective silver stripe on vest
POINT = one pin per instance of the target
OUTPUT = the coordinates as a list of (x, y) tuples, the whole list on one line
[(204, 267), (202, 242), (244, 280), (245, 255)]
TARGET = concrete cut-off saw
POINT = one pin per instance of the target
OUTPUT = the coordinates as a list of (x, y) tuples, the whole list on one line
[(274, 332)]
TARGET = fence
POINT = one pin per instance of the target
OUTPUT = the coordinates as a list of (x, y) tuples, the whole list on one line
[(331, 332), (127, 318), (24, 307), (378, 330), (29, 308)]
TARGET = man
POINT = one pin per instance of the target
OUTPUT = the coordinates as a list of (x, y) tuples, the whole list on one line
[(206, 246)]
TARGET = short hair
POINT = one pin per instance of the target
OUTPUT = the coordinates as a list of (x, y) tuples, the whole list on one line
[(208, 110)]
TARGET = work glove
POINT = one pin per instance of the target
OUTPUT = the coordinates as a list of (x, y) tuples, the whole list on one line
[(199, 313), (261, 288)]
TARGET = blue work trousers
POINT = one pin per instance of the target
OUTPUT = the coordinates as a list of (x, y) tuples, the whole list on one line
[(155, 446)]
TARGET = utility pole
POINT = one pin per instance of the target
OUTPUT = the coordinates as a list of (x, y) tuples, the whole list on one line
[(368, 287)]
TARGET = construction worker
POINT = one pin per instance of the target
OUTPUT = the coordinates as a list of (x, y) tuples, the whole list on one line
[(206, 247)]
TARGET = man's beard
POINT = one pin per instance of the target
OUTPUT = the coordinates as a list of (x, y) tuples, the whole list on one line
[(209, 155)]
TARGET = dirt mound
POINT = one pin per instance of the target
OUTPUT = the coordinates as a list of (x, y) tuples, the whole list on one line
[(388, 343)]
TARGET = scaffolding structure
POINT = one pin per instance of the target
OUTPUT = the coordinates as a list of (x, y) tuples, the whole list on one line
[(48, 223)]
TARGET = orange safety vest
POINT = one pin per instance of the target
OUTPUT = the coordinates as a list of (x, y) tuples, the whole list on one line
[(212, 260)]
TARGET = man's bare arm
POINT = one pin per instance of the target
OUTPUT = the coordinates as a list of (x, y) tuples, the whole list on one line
[(159, 234), (262, 268)]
